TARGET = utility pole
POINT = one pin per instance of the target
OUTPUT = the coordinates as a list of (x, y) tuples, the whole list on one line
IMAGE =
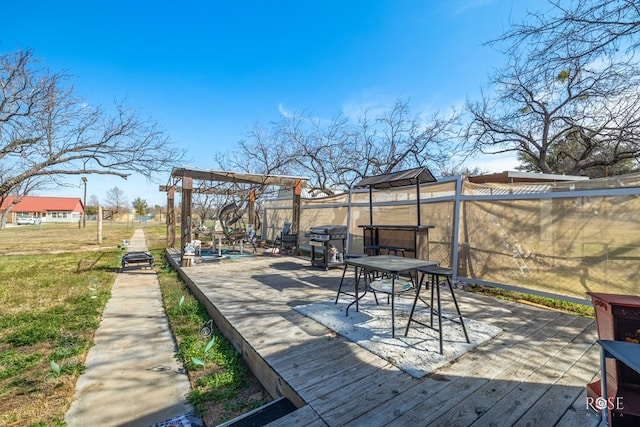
[(84, 203)]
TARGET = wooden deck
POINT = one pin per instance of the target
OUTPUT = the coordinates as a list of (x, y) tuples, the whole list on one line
[(534, 373)]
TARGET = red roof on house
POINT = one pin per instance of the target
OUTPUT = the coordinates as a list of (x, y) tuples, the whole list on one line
[(44, 204)]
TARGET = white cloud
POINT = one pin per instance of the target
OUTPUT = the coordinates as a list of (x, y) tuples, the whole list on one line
[(284, 112), (371, 102)]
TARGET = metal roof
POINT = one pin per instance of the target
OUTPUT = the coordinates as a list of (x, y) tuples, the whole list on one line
[(43, 204), (520, 176), (398, 179)]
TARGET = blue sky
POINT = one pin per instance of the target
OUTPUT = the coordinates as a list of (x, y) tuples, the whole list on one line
[(208, 70)]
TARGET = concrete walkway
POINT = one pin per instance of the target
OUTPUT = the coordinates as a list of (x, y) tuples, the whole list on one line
[(132, 376)]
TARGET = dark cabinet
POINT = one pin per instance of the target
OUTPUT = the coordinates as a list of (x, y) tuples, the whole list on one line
[(618, 319)]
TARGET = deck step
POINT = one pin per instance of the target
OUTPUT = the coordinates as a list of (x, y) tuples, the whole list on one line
[(263, 415)]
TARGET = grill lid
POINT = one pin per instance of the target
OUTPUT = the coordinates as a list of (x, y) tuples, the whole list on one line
[(329, 229)]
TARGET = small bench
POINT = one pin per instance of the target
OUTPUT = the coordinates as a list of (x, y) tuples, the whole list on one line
[(391, 250), (394, 250), (372, 249), (138, 257)]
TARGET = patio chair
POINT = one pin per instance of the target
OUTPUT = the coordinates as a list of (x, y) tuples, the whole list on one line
[(197, 246), (287, 242)]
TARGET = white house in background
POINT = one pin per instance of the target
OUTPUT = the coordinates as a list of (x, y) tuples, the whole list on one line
[(49, 209)]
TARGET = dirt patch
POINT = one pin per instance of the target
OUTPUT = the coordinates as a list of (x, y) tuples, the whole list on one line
[(253, 395)]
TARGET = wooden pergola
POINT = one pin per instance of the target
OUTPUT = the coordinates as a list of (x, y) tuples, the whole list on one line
[(184, 179)]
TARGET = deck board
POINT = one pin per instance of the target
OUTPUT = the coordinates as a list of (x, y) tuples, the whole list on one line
[(531, 381), (475, 391), (548, 409), (533, 373), (578, 414), (469, 373)]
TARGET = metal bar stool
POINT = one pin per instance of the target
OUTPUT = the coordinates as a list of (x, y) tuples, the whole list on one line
[(436, 273), (358, 274)]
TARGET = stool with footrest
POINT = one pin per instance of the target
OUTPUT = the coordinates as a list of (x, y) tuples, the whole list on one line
[(436, 272)]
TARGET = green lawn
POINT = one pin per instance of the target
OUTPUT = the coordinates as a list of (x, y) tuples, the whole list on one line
[(56, 281), (55, 284)]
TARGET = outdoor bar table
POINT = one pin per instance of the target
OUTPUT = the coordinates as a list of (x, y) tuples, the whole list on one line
[(627, 353), (389, 264), (374, 235)]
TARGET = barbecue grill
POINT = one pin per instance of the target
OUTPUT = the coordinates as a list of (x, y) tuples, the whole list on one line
[(328, 232), (324, 236)]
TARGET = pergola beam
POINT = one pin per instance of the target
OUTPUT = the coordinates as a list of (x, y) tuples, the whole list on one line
[(200, 190), (238, 177)]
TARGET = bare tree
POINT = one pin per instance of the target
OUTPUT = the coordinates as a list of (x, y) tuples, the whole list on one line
[(321, 149), (94, 201), (577, 30), (336, 153), (46, 132), (577, 120), (116, 199), (568, 99), (205, 206), (401, 140), (262, 151)]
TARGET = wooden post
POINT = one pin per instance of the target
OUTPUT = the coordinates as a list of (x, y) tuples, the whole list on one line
[(418, 216), (252, 207), (295, 223), (371, 206), (185, 230), (171, 218), (99, 225)]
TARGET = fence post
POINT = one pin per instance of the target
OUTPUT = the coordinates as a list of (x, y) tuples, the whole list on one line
[(456, 225)]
